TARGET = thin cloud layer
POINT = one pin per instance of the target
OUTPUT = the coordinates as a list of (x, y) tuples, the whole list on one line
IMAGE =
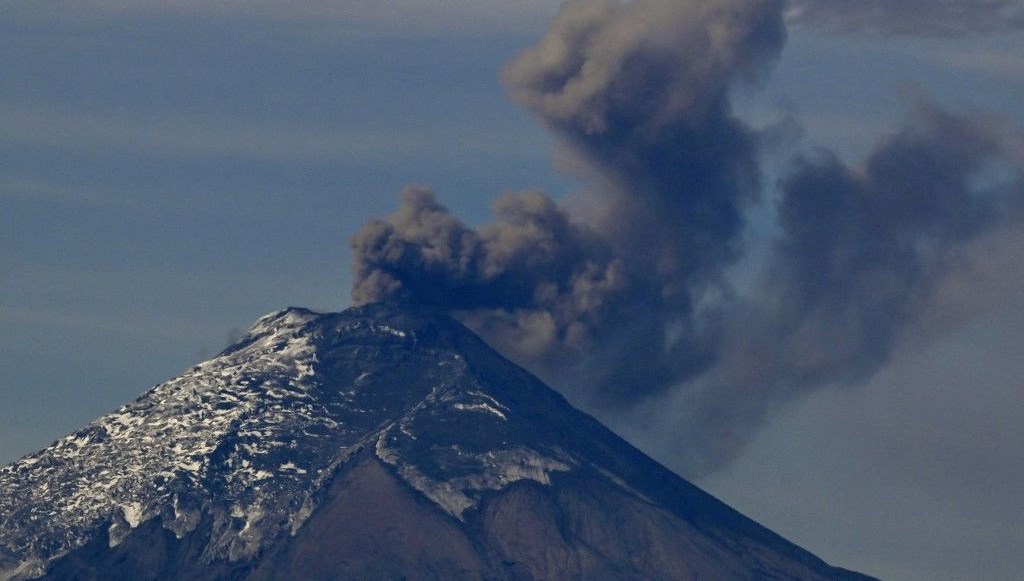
[(911, 17), (631, 305), (395, 17), (888, 17)]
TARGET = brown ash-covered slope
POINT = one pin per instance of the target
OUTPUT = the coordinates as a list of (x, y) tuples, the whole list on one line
[(383, 442)]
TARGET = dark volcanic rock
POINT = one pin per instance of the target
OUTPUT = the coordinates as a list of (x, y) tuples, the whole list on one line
[(378, 443)]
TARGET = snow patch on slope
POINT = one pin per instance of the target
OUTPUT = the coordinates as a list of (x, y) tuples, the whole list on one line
[(459, 490)]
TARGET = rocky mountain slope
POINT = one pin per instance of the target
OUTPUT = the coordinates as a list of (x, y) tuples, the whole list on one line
[(382, 442)]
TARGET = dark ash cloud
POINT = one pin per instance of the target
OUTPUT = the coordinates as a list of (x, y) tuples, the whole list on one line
[(630, 307), (911, 17), (543, 281), (640, 92)]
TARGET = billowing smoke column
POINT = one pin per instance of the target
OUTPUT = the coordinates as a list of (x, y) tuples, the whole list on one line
[(632, 304), (639, 91)]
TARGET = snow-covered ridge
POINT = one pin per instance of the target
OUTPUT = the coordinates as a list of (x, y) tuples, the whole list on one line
[(152, 457), (245, 442)]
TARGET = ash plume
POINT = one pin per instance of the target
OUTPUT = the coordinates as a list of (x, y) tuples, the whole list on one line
[(640, 92), (629, 305)]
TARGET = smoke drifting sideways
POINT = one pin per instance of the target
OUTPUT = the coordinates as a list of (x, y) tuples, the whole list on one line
[(860, 255), (631, 305)]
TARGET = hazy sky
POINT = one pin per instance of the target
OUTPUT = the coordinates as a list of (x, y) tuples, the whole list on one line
[(168, 175)]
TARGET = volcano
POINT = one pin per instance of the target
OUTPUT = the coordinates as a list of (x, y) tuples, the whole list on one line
[(383, 442)]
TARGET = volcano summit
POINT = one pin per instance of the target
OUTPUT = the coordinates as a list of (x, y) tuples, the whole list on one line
[(381, 442)]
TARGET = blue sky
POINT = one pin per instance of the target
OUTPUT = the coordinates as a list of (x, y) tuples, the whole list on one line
[(169, 175)]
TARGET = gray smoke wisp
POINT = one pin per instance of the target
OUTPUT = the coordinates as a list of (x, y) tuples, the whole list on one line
[(631, 304)]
